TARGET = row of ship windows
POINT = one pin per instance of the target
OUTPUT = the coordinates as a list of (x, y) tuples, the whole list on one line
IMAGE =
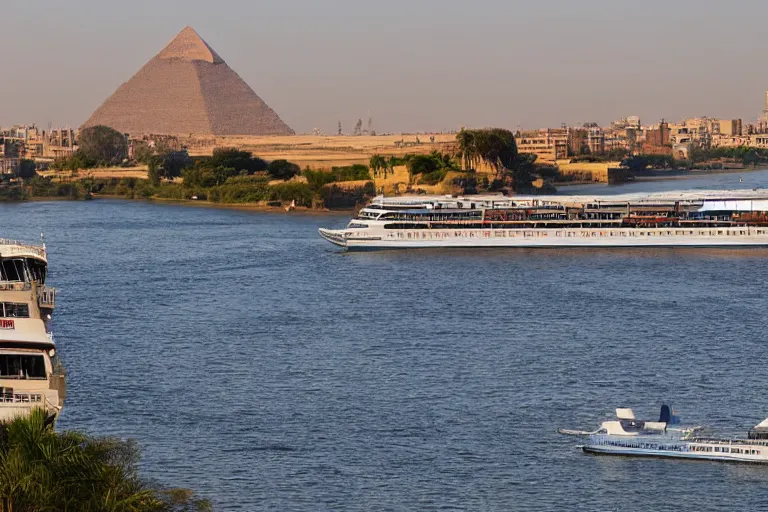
[(645, 446), (679, 448), (14, 310), (430, 235), (723, 449)]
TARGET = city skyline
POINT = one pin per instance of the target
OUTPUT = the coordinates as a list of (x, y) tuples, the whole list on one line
[(409, 66)]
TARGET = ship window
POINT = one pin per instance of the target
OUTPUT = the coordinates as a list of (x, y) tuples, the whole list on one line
[(14, 310), (357, 225), (12, 270), (22, 367)]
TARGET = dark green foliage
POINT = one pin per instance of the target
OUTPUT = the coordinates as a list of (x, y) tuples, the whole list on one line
[(283, 170), (247, 189), (236, 159), (334, 196), (467, 182), (131, 188), (434, 177), (639, 163), (44, 470), (317, 179), (743, 154), (422, 164), (547, 172), (199, 176), (355, 172), (142, 152), (46, 187), (223, 165), (379, 164), (73, 163), (431, 168), (615, 155), (103, 146), (168, 165), (522, 172), (299, 192), (493, 146), (203, 176), (12, 194), (27, 169), (399, 160)]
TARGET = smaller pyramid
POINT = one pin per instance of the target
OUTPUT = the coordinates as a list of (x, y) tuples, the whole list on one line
[(188, 89)]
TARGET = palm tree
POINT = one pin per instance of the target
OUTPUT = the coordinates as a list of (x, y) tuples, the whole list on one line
[(392, 162), (44, 470), (377, 164), (494, 146)]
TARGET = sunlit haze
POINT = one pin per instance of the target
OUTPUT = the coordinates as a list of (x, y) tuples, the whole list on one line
[(410, 65)]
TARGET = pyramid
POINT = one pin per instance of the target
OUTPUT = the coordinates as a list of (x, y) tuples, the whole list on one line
[(188, 89)]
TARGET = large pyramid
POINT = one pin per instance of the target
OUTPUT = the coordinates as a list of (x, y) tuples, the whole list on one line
[(188, 89)]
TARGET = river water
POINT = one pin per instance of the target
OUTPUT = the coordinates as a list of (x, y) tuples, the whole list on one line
[(258, 365)]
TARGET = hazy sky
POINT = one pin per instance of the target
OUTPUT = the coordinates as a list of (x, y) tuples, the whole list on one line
[(415, 65)]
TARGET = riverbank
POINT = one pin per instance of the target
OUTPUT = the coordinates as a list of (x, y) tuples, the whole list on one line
[(664, 175), (255, 207), (681, 174)]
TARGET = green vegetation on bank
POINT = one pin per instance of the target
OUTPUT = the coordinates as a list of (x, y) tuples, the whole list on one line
[(41, 469), (739, 155), (234, 176), (699, 158), (98, 146), (497, 149)]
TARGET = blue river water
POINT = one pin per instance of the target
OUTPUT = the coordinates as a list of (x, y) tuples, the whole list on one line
[(260, 366)]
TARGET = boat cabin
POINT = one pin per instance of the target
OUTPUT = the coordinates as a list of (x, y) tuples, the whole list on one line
[(31, 375)]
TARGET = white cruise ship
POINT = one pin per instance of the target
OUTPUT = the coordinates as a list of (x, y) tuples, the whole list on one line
[(672, 219), (630, 437), (31, 375)]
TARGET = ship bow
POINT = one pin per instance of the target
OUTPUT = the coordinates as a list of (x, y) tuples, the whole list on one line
[(336, 237)]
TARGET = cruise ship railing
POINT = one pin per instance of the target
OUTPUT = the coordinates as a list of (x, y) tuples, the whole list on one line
[(20, 398), (15, 286), (47, 297), (23, 246)]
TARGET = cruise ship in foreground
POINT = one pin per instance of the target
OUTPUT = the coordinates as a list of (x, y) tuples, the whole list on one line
[(672, 219), (630, 437), (31, 376)]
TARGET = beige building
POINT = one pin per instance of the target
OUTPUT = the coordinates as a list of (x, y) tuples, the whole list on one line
[(730, 141), (35, 144), (759, 141), (730, 127), (549, 145)]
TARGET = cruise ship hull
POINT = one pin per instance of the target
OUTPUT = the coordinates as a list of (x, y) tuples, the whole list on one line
[(607, 238), (668, 454)]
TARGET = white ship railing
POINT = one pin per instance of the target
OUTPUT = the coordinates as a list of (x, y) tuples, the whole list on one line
[(21, 247), (47, 297), (21, 398), (15, 286)]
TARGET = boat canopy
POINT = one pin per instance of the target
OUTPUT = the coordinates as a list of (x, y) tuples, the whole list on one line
[(735, 206), (625, 414)]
